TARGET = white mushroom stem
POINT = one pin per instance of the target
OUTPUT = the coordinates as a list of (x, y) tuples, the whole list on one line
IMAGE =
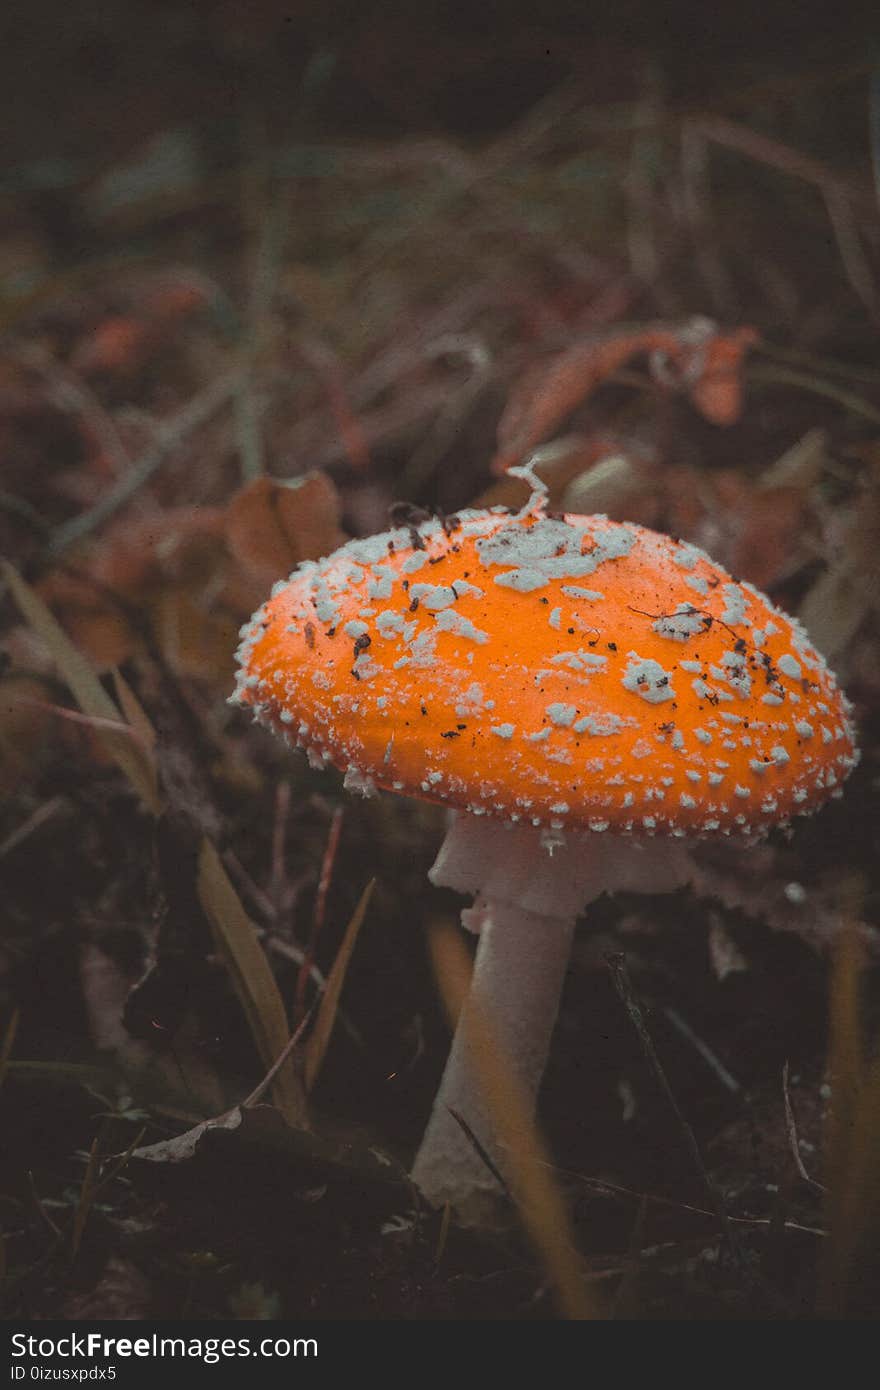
[(521, 996), (527, 903)]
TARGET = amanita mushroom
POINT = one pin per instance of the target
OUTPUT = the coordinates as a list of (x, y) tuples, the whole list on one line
[(590, 697)]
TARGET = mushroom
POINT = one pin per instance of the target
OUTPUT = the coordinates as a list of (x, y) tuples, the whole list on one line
[(591, 698)]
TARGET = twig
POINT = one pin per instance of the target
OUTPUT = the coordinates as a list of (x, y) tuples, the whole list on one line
[(625, 1303), (481, 1151), (615, 1189), (90, 721), (765, 150), (38, 818), (170, 433), (260, 899), (705, 1051), (18, 507), (852, 255), (38, 1203), (787, 377), (791, 1131), (320, 910), (121, 1162), (72, 395), (266, 264), (259, 1090), (827, 366), (617, 965)]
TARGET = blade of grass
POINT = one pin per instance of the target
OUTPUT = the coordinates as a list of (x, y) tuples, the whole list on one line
[(787, 376), (134, 711), (844, 1140), (528, 1171), (316, 1047), (251, 976), (8, 1043), (128, 754), (86, 1198), (442, 1234), (866, 1178)]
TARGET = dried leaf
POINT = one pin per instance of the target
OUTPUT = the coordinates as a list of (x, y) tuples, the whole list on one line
[(319, 1038), (271, 525), (194, 640), (717, 389), (725, 956), (800, 466), (620, 484), (249, 1129), (770, 532), (841, 598), (253, 980), (183, 1146), (694, 357), (87, 690), (550, 391)]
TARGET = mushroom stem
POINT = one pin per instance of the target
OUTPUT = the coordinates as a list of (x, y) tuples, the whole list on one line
[(518, 988), (530, 888)]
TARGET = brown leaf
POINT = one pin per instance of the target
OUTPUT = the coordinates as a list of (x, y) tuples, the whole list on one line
[(272, 525), (693, 356), (549, 391), (195, 639), (246, 1130), (183, 1146)]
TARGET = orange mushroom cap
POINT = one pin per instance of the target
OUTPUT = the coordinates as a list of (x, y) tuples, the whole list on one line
[(569, 672)]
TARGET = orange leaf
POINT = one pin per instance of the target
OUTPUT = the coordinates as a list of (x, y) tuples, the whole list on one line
[(547, 393), (693, 356), (717, 392), (115, 346)]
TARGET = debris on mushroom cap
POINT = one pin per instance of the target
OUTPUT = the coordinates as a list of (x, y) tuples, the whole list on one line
[(565, 672)]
